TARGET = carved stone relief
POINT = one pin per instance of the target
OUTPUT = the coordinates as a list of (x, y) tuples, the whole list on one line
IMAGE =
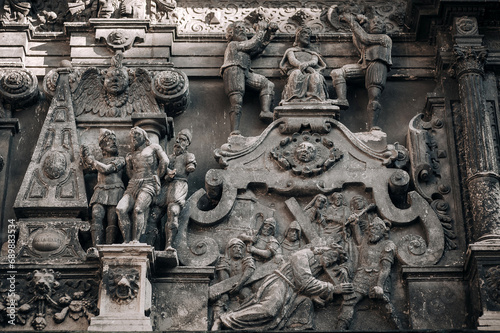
[(321, 16), (18, 88), (190, 18), (492, 279), (307, 217), (45, 300), (237, 74), (122, 92), (424, 133), (122, 284), (277, 193)]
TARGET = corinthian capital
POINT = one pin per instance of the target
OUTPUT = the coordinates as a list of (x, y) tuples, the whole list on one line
[(469, 59)]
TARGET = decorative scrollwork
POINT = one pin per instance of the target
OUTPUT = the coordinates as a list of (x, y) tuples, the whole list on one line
[(18, 86), (172, 88), (441, 208), (414, 244)]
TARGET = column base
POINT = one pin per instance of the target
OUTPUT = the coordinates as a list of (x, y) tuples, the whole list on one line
[(489, 321), (120, 323)]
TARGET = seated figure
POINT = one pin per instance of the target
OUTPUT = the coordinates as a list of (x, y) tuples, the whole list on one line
[(303, 67)]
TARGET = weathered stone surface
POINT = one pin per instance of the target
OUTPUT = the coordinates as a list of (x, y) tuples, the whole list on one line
[(311, 222), (125, 291)]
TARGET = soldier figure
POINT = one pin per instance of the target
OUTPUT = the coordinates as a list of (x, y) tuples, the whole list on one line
[(375, 49), (376, 256), (236, 71), (109, 188), (182, 163), (144, 166), (236, 262)]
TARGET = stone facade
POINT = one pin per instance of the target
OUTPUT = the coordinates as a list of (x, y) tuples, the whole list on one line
[(233, 165)]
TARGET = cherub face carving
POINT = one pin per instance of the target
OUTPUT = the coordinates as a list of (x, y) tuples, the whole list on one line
[(305, 152), (116, 81)]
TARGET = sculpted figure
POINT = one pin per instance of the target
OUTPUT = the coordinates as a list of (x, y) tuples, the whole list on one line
[(234, 263), (264, 246), (293, 236), (145, 164), (133, 9), (316, 211), (109, 189), (303, 66), (337, 214), (181, 164), (375, 49), (16, 10), (284, 300), (336, 230), (360, 207), (236, 71), (371, 279)]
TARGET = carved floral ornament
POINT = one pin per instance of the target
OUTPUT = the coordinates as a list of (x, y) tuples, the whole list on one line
[(469, 60), (46, 296), (191, 18), (321, 16), (466, 25)]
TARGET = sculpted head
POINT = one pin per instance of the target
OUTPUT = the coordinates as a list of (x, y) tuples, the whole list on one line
[(236, 31), (303, 36), (268, 227), (138, 136), (378, 229), (330, 255), (358, 202), (107, 142), (376, 25), (235, 248), (320, 201), (305, 152), (293, 232), (182, 141), (337, 199), (116, 81)]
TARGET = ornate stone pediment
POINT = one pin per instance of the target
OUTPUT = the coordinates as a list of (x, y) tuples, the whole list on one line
[(250, 166)]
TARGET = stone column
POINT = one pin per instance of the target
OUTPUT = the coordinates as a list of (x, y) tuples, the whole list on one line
[(478, 145), (482, 267), (125, 290)]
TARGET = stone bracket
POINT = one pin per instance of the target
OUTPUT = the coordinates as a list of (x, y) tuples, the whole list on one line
[(120, 34)]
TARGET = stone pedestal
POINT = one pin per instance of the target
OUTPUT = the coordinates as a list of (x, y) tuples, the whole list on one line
[(483, 274), (444, 286), (125, 291), (180, 299), (307, 110)]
